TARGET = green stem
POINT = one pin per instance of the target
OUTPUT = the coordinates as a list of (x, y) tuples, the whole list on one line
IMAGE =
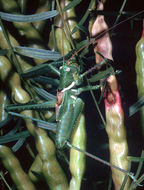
[(120, 12)]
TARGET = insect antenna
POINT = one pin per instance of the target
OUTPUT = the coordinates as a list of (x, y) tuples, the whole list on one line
[(130, 174)]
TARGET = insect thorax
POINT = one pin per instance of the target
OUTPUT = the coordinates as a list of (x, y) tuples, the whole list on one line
[(68, 74)]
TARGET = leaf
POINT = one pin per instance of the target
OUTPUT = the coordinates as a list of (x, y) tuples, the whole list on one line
[(140, 165), (47, 126), (29, 106), (136, 107), (10, 138), (28, 18), (84, 43), (84, 17), (38, 175), (14, 130), (39, 70), (34, 119), (72, 4), (18, 144), (6, 121), (37, 53), (110, 181), (43, 93), (136, 159), (126, 177), (101, 75), (4, 51), (46, 80), (83, 29)]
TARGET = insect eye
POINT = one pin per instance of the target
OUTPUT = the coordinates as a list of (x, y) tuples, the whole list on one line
[(68, 69)]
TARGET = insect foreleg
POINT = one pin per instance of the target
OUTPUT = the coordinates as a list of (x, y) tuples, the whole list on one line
[(86, 88)]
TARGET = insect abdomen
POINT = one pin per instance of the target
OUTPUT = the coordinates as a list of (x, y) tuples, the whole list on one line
[(65, 127)]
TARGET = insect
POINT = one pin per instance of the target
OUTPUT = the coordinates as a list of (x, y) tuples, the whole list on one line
[(68, 105)]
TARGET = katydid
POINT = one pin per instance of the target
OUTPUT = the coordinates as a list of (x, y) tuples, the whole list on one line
[(68, 108), (68, 105)]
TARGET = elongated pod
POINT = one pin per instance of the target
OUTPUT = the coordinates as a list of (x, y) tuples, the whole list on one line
[(4, 45), (52, 171), (18, 93), (13, 166), (9, 6), (44, 6), (69, 17), (63, 46), (35, 170), (4, 101), (115, 128), (5, 68), (104, 46), (23, 5), (140, 74), (77, 159)]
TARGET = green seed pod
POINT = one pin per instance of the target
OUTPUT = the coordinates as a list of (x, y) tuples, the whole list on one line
[(4, 101), (32, 35), (69, 17), (5, 68), (23, 4), (19, 94), (29, 31), (9, 6), (52, 171), (14, 42), (77, 159), (43, 7), (140, 74), (13, 166), (63, 44), (36, 168), (92, 19)]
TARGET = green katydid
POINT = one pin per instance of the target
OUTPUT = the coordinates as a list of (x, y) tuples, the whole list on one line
[(68, 106)]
